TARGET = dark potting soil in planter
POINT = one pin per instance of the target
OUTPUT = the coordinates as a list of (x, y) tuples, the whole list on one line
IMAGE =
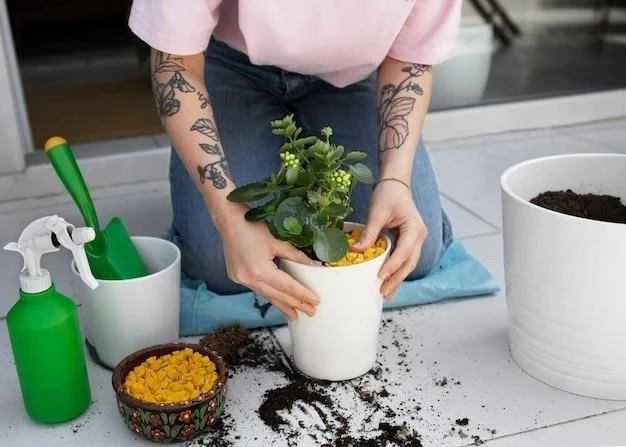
[(604, 208)]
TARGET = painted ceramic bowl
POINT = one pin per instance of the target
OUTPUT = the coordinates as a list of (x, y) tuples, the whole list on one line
[(167, 423)]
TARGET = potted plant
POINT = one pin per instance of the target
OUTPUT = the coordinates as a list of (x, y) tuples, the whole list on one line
[(564, 238), (306, 203)]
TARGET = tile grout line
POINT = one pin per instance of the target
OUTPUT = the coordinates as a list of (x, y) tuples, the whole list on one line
[(59, 201), (479, 235), (466, 209), (556, 424)]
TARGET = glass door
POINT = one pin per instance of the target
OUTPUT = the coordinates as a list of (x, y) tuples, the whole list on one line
[(14, 126)]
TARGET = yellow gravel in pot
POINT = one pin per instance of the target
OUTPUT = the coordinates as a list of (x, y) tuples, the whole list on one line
[(353, 257), (178, 377)]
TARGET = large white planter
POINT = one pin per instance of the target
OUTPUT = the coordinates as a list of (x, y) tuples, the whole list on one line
[(127, 315), (340, 341), (565, 285)]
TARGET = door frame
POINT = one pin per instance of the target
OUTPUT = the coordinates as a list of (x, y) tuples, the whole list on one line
[(14, 124)]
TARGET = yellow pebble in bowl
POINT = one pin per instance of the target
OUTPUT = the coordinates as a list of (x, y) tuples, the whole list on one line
[(181, 376), (353, 257)]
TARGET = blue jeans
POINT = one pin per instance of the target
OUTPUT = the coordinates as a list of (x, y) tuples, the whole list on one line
[(245, 98)]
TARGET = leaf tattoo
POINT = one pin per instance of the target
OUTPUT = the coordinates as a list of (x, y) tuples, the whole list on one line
[(164, 63), (394, 107), (165, 92), (207, 128), (218, 172), (180, 83), (211, 149), (164, 96)]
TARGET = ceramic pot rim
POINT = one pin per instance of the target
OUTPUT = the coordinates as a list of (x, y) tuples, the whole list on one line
[(173, 264), (325, 267), (512, 170)]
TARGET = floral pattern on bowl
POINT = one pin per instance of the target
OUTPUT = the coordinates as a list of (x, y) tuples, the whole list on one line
[(165, 423)]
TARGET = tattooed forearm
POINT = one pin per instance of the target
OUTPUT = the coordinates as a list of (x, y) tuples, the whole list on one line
[(396, 104), (168, 79), (169, 83), (216, 171)]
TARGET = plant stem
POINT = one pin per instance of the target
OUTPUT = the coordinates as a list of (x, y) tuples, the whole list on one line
[(300, 152)]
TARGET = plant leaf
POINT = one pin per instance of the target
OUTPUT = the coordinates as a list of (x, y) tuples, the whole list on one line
[(305, 178), (275, 232), (336, 210), (304, 239), (292, 225), (249, 193), (354, 156), (292, 175), (290, 207), (330, 244), (313, 197), (339, 151), (286, 147), (257, 214), (305, 141), (361, 173)]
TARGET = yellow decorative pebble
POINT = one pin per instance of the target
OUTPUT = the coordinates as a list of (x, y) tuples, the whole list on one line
[(353, 257), (181, 376)]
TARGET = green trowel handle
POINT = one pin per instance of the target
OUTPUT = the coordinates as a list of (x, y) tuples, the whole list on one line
[(60, 155)]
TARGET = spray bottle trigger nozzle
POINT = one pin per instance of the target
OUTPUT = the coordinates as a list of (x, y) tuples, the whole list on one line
[(13, 246)]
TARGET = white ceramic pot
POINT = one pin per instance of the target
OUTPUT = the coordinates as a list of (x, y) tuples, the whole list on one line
[(461, 80), (565, 290), (127, 315), (340, 341)]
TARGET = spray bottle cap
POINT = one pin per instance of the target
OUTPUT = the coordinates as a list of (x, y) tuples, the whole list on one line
[(47, 235)]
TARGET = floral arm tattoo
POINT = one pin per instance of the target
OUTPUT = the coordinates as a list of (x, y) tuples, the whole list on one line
[(169, 85), (396, 104), (217, 171)]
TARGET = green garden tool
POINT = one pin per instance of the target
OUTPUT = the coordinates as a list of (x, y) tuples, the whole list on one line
[(112, 254)]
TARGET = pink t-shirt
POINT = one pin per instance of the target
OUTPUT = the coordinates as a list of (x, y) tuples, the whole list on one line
[(340, 41)]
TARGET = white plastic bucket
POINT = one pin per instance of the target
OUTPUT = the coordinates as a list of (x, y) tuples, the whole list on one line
[(340, 341), (127, 315), (566, 293)]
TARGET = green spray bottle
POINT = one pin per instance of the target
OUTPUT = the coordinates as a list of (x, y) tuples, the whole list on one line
[(43, 325)]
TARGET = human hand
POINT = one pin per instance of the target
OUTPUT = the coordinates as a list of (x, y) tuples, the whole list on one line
[(392, 207), (250, 250)]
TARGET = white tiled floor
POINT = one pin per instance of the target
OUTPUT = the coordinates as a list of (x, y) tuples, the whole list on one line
[(464, 340)]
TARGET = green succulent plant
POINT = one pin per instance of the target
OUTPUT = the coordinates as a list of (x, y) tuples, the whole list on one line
[(307, 200)]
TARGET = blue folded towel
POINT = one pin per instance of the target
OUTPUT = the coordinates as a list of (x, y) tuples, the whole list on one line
[(457, 275)]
